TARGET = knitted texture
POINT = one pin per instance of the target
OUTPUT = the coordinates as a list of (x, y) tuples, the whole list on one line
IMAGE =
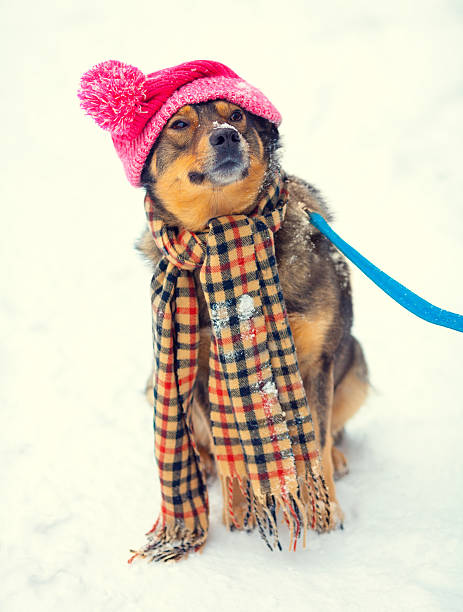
[(264, 441), (135, 107)]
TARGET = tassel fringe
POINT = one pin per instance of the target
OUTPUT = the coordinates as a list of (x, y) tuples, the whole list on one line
[(170, 543), (307, 508)]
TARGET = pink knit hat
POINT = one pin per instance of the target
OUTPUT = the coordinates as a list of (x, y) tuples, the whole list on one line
[(135, 107)]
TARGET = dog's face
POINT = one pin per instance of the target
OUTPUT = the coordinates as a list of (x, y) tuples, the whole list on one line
[(211, 159)]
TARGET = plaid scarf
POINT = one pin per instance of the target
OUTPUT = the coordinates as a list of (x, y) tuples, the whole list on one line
[(264, 442)]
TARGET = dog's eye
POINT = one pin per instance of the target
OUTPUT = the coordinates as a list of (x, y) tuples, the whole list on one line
[(236, 115), (179, 124)]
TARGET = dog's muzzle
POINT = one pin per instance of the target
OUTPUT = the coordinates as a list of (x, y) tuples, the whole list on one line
[(229, 161)]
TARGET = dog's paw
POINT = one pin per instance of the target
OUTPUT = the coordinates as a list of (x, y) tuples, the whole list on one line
[(336, 517), (208, 462), (149, 392), (340, 465)]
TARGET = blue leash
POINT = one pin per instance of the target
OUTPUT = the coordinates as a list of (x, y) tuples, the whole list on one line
[(406, 298)]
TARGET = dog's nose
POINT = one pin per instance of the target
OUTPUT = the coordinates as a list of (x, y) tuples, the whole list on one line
[(224, 138)]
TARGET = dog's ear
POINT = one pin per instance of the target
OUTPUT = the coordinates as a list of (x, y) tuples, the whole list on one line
[(268, 131), (146, 177)]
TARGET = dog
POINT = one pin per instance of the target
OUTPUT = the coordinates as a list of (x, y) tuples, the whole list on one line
[(215, 158)]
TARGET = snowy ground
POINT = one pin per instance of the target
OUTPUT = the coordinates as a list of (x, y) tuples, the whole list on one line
[(372, 100)]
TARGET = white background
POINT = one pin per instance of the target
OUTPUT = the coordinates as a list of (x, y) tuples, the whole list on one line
[(372, 101)]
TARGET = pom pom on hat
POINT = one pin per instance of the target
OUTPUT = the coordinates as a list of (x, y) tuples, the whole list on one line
[(112, 93)]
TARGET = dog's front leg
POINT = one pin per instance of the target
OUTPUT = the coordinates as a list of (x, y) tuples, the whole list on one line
[(318, 383)]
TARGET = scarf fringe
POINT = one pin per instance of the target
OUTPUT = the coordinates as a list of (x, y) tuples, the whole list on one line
[(170, 542), (306, 508)]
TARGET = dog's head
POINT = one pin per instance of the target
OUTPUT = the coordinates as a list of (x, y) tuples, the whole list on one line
[(211, 159)]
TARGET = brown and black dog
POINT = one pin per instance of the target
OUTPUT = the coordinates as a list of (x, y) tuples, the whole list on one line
[(215, 159)]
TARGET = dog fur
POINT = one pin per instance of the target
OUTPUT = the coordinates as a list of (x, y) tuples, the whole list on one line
[(213, 159)]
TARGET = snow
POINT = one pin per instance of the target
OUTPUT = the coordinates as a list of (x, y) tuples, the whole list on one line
[(270, 389), (220, 315), (218, 125), (245, 307), (372, 108)]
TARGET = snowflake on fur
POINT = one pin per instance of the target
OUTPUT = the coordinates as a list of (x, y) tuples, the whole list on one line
[(112, 93)]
